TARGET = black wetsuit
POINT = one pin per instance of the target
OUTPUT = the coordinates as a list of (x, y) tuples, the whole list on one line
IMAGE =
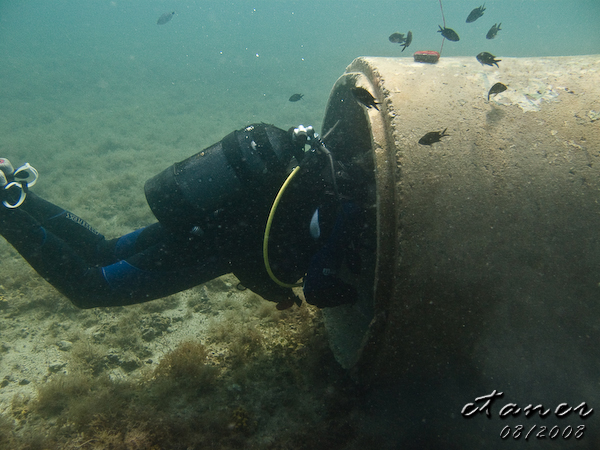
[(160, 260)]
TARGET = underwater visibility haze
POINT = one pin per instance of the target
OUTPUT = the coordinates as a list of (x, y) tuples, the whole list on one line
[(100, 96)]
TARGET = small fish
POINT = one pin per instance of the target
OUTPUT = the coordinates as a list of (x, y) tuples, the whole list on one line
[(433, 137), (488, 58), (493, 31), (165, 18), (496, 89), (407, 41), (296, 97), (397, 38), (448, 33), (363, 96), (476, 14)]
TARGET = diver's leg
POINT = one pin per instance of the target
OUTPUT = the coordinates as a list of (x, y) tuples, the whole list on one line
[(47, 254), (51, 257), (81, 236), (160, 270), (69, 253), (84, 239)]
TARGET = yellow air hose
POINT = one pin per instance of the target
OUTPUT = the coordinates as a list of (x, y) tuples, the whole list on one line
[(268, 230)]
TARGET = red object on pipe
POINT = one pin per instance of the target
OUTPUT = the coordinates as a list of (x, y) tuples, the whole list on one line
[(427, 56)]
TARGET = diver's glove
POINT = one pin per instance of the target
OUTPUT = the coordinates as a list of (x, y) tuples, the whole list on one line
[(335, 294), (289, 302), (321, 287)]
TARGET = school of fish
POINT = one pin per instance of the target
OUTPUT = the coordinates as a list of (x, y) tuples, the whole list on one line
[(485, 58)]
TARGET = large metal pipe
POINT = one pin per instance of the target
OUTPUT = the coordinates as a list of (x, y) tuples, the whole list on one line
[(487, 272)]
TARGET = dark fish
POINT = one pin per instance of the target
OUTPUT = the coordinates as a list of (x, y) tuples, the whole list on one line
[(407, 41), (363, 96), (448, 33), (433, 137), (476, 14), (397, 38), (488, 58), (165, 18), (296, 97), (496, 89), (493, 31)]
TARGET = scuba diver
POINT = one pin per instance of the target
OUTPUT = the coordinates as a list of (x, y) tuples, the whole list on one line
[(258, 204)]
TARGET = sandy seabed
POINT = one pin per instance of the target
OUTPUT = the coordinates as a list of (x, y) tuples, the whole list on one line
[(212, 367)]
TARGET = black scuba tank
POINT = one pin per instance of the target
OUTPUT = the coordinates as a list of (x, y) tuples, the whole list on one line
[(247, 164)]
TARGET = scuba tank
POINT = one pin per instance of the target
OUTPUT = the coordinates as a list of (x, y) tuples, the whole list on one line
[(226, 191), (191, 194)]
